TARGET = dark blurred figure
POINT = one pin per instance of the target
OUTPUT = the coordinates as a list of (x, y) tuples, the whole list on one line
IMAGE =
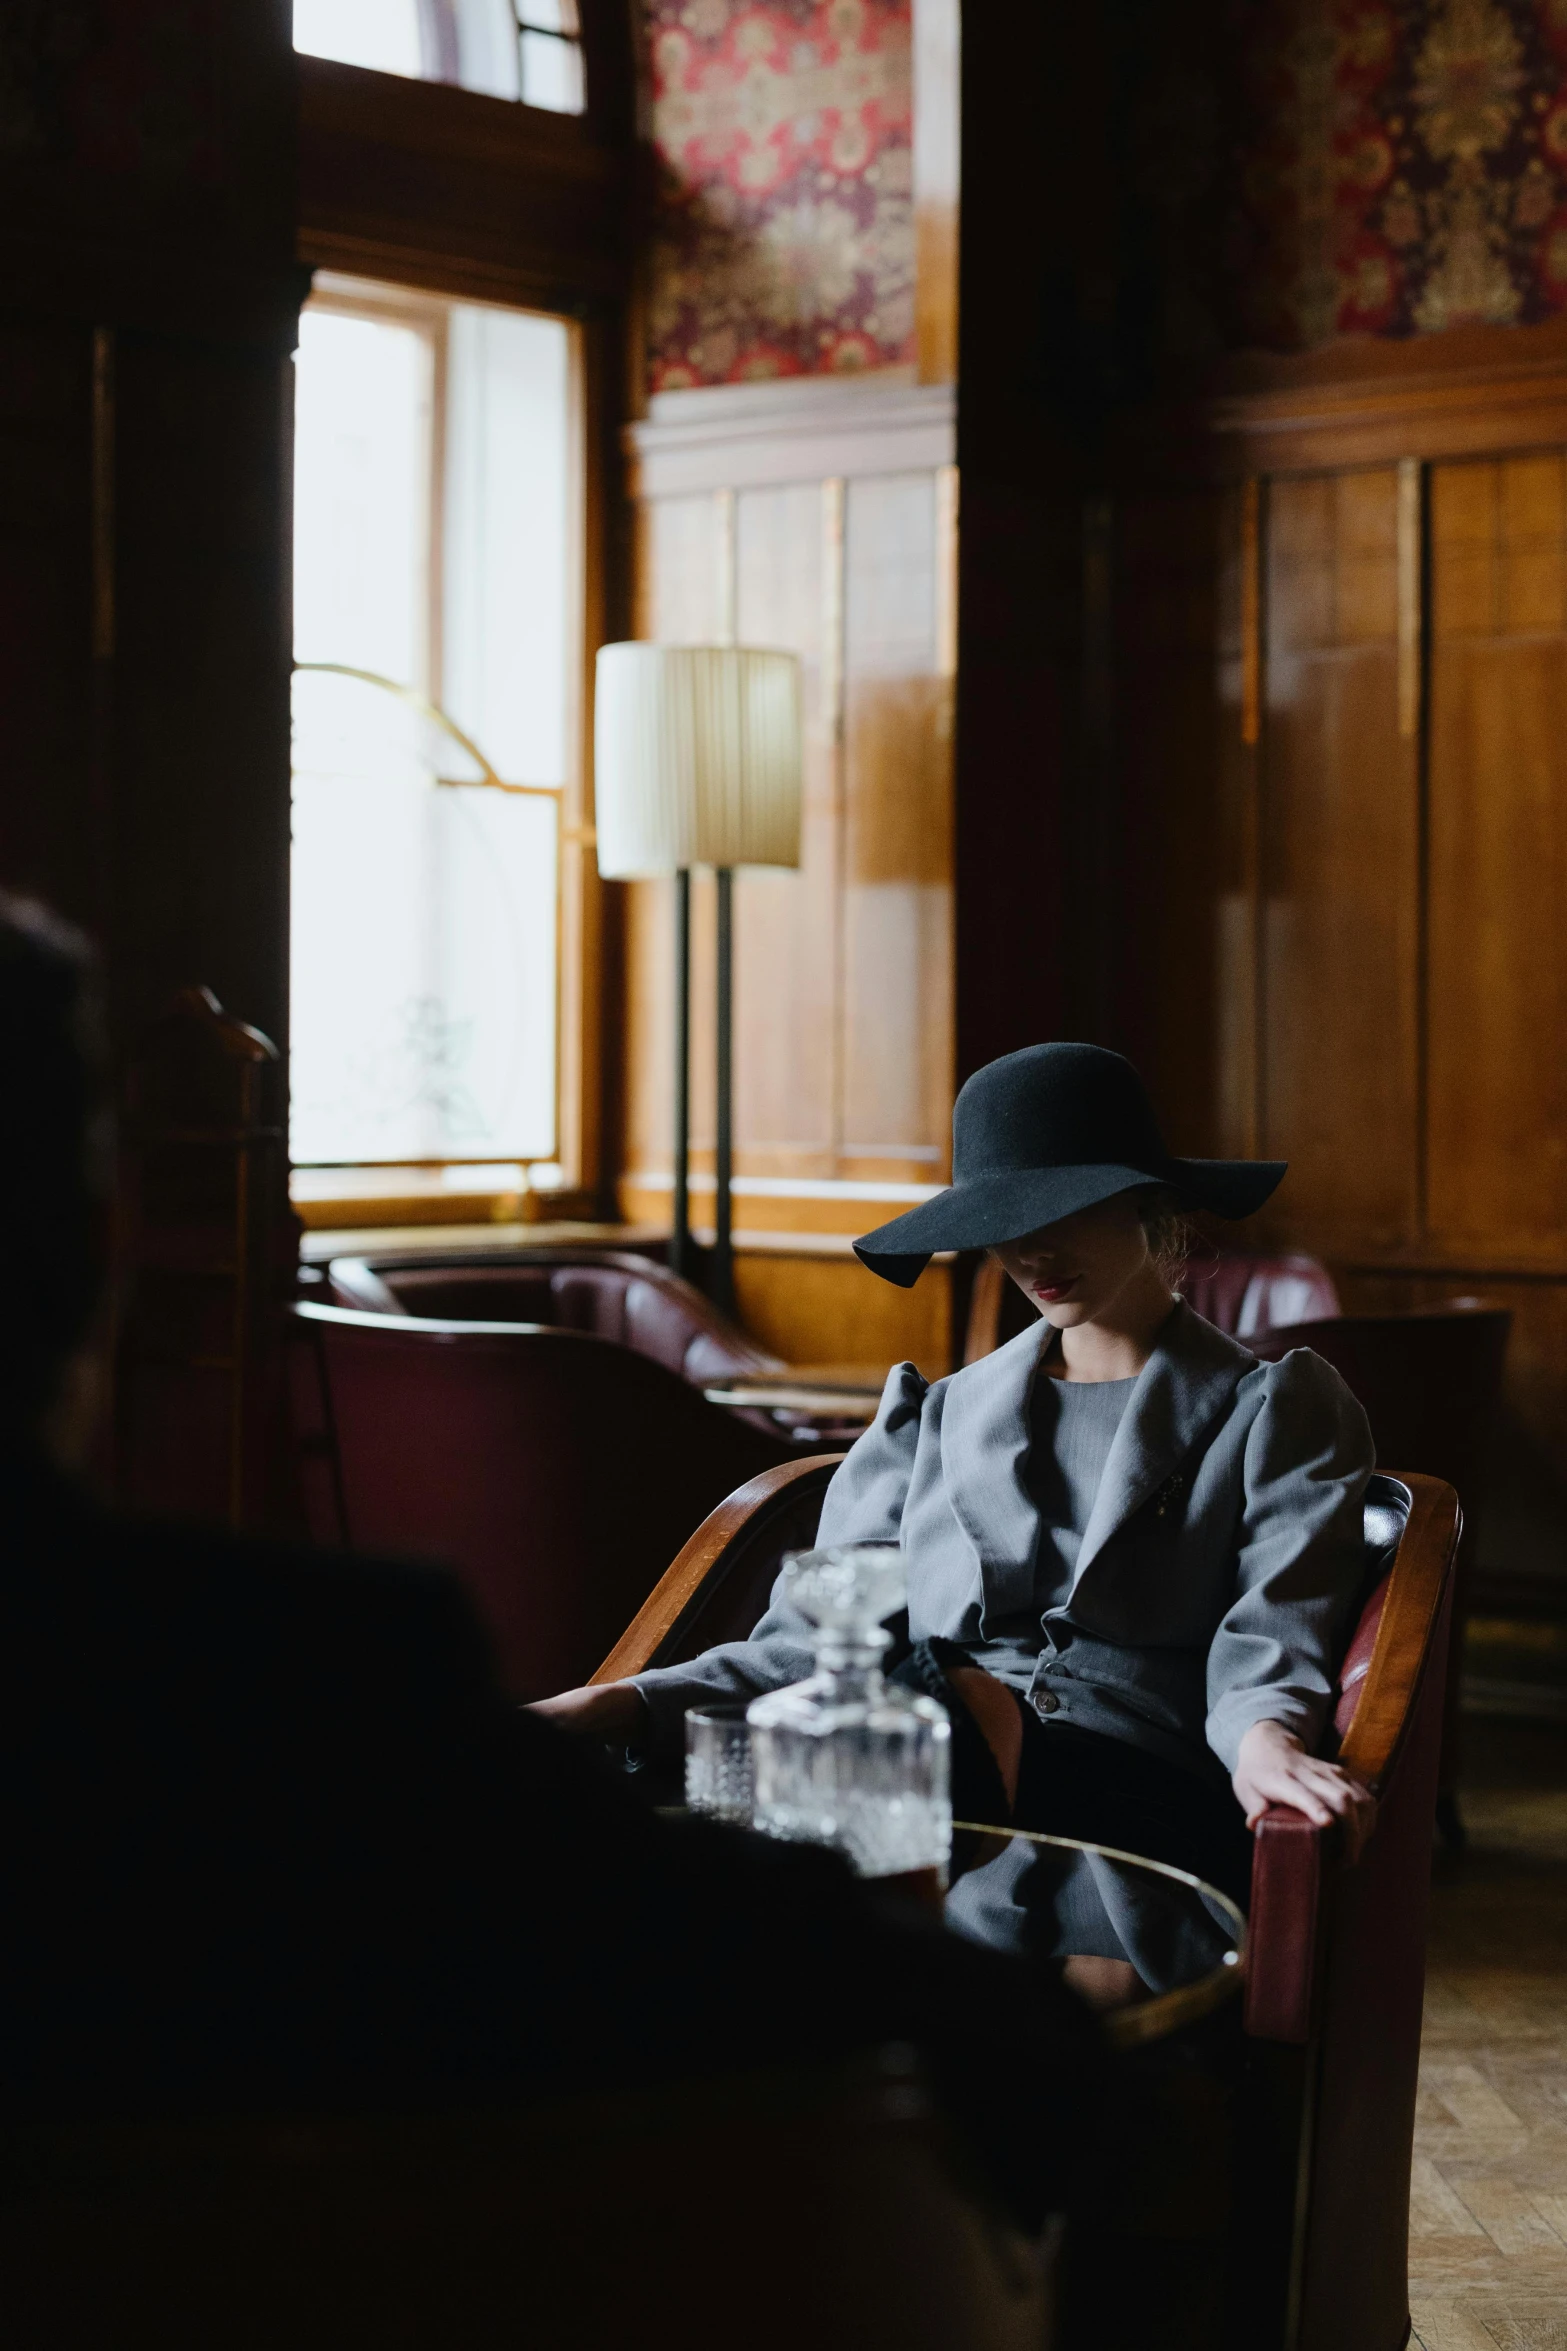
[(271, 1838)]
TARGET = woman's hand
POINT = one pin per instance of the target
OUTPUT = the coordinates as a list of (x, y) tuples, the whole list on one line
[(1274, 1768), (612, 1711)]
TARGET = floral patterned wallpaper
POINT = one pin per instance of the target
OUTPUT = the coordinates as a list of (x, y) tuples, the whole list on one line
[(1412, 174), (784, 239)]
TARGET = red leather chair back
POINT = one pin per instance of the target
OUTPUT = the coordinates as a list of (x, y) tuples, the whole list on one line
[(1239, 1293), (557, 1474), (1247, 1295), (613, 1295)]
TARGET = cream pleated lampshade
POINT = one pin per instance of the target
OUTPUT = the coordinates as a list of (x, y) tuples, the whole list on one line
[(696, 758)]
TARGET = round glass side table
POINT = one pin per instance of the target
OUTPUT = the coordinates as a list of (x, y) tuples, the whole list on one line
[(1180, 1943)]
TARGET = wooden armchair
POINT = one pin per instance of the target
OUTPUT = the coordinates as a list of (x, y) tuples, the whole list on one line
[(1336, 1967)]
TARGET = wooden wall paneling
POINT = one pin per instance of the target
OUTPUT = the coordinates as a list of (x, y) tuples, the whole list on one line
[(1239, 521), (150, 302), (1340, 878), (821, 1309), (897, 894), (1524, 1505), (1498, 987), (786, 924), (819, 516), (1171, 865), (201, 738), (1373, 400)]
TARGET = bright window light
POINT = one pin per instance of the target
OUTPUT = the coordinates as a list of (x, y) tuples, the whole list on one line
[(434, 547), (517, 49), (381, 34)]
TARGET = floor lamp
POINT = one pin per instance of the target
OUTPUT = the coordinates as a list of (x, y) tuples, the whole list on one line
[(697, 761)]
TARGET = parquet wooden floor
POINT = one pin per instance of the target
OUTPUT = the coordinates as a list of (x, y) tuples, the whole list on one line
[(1488, 2214)]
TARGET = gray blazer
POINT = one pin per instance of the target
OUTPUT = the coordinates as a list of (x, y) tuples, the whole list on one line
[(1220, 1564)]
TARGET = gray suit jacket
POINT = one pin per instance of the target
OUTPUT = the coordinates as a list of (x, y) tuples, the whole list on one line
[(1221, 1561)]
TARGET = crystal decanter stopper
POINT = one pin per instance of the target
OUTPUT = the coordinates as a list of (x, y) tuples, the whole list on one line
[(845, 1759)]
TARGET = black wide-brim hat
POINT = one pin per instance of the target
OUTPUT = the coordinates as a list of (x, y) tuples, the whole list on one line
[(1041, 1134)]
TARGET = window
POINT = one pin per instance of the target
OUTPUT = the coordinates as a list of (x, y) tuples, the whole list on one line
[(519, 49), (438, 629)]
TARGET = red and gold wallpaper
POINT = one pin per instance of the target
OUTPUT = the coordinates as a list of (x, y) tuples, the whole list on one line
[(1412, 171), (784, 242)]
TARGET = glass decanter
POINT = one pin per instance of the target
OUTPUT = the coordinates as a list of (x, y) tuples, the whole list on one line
[(847, 1759)]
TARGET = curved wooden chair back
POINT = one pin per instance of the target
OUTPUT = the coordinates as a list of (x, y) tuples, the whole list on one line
[(600, 2223), (555, 1472), (718, 1587)]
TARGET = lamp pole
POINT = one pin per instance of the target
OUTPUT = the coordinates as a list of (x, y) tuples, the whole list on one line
[(723, 1287), (681, 1253)]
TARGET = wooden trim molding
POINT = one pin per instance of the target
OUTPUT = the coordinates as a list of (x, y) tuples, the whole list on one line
[(466, 195), (792, 429), (1452, 395)]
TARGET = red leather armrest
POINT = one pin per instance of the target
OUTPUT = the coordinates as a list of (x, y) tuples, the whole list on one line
[(1289, 1864)]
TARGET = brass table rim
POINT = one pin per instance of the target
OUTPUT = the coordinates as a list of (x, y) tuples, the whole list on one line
[(1166, 2012)]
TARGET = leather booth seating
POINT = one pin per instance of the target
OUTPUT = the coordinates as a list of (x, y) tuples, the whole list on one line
[(610, 1294)]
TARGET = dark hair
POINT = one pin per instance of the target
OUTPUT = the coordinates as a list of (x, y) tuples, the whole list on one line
[(53, 1154), (1169, 1232)]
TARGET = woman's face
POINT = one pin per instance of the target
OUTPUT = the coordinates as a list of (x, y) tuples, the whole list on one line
[(1073, 1271)]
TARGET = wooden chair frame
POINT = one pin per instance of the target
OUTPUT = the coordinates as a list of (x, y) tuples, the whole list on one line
[(1335, 1967)]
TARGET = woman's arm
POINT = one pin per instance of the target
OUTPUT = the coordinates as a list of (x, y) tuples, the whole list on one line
[(1299, 1569), (611, 1711)]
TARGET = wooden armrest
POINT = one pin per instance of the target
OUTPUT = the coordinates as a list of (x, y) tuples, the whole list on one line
[(1386, 1702)]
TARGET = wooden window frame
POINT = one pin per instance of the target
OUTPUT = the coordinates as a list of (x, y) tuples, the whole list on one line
[(433, 190)]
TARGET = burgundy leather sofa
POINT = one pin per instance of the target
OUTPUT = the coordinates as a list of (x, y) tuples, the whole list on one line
[(607, 1293)]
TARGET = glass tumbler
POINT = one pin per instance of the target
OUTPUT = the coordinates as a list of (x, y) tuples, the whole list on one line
[(719, 1778)]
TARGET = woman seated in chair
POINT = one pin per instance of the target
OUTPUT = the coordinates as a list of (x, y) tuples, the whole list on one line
[(1133, 1551)]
